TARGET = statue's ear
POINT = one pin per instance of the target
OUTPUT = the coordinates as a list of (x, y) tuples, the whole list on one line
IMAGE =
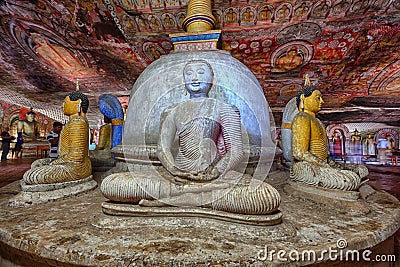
[(302, 97), (79, 105)]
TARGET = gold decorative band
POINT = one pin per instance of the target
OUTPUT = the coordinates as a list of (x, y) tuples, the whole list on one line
[(117, 122), (286, 125)]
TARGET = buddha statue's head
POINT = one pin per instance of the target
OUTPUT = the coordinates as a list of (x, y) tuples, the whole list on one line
[(75, 103), (309, 99), (198, 76), (30, 116)]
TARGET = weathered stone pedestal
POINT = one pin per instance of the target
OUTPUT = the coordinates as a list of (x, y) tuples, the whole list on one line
[(336, 199), (183, 212), (38, 194), (75, 232)]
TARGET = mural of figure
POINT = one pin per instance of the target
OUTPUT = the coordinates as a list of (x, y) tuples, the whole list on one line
[(29, 127), (155, 24), (248, 15), (301, 11), (152, 52), (265, 14), (230, 17), (320, 11), (169, 22), (283, 13), (291, 60), (60, 59)]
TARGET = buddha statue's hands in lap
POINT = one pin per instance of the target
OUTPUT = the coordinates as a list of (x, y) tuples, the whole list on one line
[(73, 162), (311, 162), (200, 144)]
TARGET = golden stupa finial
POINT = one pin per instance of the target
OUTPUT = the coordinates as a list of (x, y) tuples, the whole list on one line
[(307, 81), (199, 17), (77, 85)]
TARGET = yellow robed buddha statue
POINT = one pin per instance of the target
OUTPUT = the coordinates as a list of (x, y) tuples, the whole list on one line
[(73, 162), (311, 164), (103, 148)]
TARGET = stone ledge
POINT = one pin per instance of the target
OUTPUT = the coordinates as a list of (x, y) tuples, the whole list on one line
[(75, 232)]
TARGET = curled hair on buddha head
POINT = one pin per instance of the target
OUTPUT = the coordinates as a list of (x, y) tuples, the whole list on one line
[(306, 91), (84, 100), (197, 61), (31, 112)]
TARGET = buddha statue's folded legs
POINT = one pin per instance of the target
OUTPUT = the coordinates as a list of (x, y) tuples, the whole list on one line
[(56, 173), (327, 177), (228, 195), (41, 162)]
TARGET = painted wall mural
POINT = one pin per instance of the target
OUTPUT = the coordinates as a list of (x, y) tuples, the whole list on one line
[(348, 48)]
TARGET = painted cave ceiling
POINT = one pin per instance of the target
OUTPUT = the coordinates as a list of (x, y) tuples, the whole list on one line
[(349, 49)]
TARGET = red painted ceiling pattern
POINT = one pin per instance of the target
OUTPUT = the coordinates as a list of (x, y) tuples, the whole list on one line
[(349, 48)]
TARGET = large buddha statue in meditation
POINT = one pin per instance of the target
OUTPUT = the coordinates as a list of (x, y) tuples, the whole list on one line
[(311, 164), (73, 162), (200, 144)]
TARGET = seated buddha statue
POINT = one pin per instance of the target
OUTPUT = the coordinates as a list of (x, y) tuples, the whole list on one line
[(110, 133), (200, 144), (29, 128), (311, 163), (73, 162), (102, 150)]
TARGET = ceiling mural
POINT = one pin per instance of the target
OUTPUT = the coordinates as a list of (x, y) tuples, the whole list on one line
[(348, 48)]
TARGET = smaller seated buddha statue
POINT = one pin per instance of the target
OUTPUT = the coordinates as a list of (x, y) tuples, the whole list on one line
[(29, 128), (110, 134), (73, 162), (200, 144), (104, 143), (311, 162), (369, 144)]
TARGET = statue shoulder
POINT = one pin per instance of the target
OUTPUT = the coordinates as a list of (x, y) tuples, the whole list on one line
[(301, 117)]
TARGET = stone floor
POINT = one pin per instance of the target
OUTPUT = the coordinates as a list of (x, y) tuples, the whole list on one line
[(381, 177)]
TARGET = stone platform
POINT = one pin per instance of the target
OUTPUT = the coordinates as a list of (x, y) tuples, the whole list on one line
[(75, 232)]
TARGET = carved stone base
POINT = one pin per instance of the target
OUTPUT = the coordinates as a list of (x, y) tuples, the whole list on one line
[(138, 211), (37, 194), (338, 199), (75, 232)]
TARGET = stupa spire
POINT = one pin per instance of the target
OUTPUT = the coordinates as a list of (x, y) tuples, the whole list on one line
[(199, 17)]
